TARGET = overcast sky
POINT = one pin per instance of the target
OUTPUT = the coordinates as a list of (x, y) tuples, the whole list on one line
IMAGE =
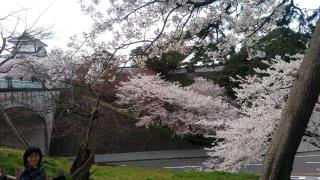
[(65, 17)]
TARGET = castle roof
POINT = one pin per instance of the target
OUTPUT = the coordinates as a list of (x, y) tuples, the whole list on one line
[(25, 37)]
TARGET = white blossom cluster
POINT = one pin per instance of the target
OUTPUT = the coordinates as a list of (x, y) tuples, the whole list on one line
[(174, 25), (247, 139), (64, 67), (15, 69), (198, 109), (56, 68)]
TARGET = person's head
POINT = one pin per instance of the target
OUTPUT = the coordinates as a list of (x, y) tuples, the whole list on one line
[(32, 157)]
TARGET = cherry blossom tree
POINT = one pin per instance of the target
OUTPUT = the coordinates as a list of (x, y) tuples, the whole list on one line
[(90, 72), (89, 69), (215, 26), (262, 98), (64, 69), (197, 109)]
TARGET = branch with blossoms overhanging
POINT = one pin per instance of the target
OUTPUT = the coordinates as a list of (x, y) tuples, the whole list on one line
[(198, 109), (164, 26)]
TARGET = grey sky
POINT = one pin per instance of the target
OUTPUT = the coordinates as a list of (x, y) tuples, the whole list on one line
[(65, 16)]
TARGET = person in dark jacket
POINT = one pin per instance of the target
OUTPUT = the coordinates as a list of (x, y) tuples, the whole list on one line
[(32, 160)]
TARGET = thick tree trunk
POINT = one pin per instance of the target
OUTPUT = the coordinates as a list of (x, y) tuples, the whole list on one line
[(80, 168), (295, 115)]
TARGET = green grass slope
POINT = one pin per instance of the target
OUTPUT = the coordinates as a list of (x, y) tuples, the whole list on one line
[(12, 158)]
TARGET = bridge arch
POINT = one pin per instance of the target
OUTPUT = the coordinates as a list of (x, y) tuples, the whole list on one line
[(35, 101), (31, 125)]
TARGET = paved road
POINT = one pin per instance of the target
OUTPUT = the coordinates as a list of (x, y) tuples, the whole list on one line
[(305, 166)]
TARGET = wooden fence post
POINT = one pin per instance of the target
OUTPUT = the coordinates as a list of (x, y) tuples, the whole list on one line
[(18, 172), (3, 171)]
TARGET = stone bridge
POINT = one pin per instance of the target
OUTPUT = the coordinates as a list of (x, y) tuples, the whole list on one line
[(32, 96)]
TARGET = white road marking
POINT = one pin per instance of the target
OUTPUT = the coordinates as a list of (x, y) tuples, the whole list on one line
[(302, 156), (298, 177), (303, 177), (312, 162), (182, 167), (311, 155), (254, 164)]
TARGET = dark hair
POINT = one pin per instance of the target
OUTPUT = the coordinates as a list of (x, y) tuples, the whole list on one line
[(30, 151)]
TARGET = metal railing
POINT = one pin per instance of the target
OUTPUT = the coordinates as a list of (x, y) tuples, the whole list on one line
[(17, 84)]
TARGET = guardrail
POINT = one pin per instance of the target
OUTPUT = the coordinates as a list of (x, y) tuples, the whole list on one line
[(17, 84)]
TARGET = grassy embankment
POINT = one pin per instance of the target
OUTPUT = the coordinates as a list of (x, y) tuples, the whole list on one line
[(12, 158)]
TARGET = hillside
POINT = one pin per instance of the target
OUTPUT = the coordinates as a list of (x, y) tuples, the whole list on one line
[(116, 133)]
